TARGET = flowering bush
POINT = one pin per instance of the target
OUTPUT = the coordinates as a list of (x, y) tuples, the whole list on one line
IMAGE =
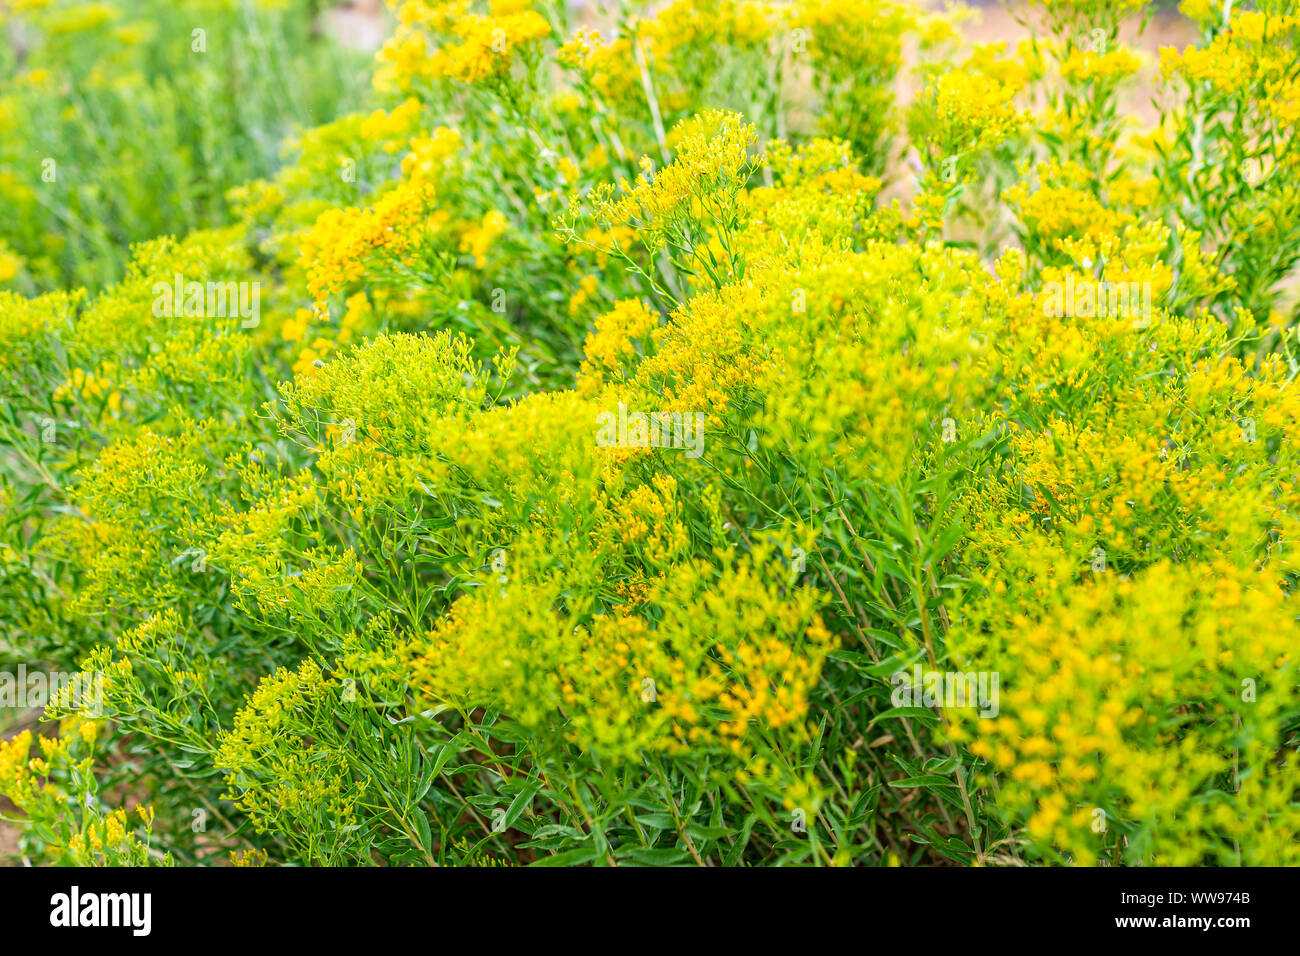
[(657, 439)]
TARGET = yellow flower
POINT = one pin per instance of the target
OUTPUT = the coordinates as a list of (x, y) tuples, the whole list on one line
[(478, 239)]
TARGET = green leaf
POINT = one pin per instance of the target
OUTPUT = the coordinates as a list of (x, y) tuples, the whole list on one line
[(922, 714), (924, 781)]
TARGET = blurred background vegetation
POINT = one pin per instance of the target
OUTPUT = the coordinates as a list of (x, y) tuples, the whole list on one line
[(120, 122)]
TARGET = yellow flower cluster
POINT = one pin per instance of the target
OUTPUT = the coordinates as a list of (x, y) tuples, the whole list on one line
[(478, 47), (969, 111), (1125, 700), (624, 686), (617, 333), (335, 251)]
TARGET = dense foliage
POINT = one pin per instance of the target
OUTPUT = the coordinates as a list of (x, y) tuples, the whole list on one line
[(628, 403)]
